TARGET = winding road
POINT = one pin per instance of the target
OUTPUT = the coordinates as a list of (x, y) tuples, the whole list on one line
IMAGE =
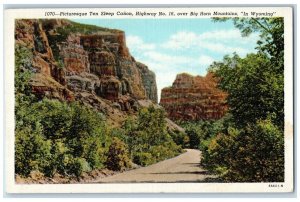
[(183, 168)]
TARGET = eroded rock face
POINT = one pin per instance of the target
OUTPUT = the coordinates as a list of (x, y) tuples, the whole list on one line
[(49, 80), (75, 58), (95, 68), (149, 81), (194, 98)]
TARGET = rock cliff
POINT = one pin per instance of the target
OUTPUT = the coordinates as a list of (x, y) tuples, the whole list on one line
[(90, 64), (194, 98)]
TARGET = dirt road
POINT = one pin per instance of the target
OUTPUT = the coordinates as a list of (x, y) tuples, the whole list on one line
[(183, 168)]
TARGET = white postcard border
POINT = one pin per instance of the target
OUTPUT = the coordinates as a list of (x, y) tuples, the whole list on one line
[(11, 187)]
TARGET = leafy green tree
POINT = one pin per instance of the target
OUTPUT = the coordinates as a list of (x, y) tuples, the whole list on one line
[(152, 122), (32, 151), (266, 69), (75, 134), (117, 157), (253, 154), (23, 71), (252, 148), (147, 137), (255, 90), (271, 39)]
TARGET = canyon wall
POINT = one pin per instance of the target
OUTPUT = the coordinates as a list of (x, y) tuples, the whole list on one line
[(86, 63), (194, 98)]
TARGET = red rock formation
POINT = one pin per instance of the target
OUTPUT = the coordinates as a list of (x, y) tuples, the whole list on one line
[(68, 65), (109, 56), (103, 63), (95, 69), (30, 35), (75, 58), (194, 98)]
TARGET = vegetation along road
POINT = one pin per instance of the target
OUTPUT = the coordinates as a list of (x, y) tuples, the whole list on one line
[(183, 168)]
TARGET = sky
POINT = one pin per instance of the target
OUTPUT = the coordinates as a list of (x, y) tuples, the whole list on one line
[(172, 46)]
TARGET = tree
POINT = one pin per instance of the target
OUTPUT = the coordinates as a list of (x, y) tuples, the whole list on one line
[(253, 154), (255, 91), (271, 39), (152, 122), (256, 83), (252, 150), (117, 157)]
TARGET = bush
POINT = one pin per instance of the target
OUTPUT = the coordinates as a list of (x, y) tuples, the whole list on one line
[(69, 135), (218, 151), (117, 157), (147, 137), (255, 154), (77, 166), (180, 138), (143, 158), (165, 151), (32, 151)]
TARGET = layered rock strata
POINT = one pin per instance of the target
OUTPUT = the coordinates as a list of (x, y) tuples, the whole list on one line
[(194, 98), (94, 67)]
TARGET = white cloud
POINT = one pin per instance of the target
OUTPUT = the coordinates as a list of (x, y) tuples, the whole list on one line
[(221, 35), (205, 60), (188, 52), (166, 66), (137, 43), (181, 40), (167, 58), (221, 41)]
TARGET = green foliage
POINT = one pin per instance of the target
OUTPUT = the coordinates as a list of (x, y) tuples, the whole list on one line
[(152, 122), (165, 151), (143, 158), (255, 83), (147, 137), (117, 157), (32, 151), (74, 134), (251, 149), (254, 154), (68, 138), (23, 73), (23, 69), (180, 138), (199, 132), (255, 89), (77, 166), (271, 39)]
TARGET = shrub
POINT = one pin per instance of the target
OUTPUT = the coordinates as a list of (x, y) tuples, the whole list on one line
[(117, 157), (254, 154), (143, 158), (218, 151), (59, 137), (165, 151), (32, 151), (180, 138), (60, 158), (265, 144), (77, 166), (147, 137)]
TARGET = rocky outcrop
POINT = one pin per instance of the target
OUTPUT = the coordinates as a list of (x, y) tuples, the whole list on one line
[(194, 98), (75, 58), (149, 81), (94, 67), (48, 79)]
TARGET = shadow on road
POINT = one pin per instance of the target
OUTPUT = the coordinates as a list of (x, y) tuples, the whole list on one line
[(182, 173), (192, 164)]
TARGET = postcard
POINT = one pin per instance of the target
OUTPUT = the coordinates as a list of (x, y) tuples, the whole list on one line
[(149, 100)]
